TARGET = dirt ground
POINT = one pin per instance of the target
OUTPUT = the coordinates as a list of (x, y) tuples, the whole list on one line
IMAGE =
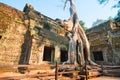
[(105, 78), (17, 74)]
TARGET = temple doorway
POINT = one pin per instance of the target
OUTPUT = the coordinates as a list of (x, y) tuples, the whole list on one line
[(0, 37), (48, 54), (64, 55), (98, 55)]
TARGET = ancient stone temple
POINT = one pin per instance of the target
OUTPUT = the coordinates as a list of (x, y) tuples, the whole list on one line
[(105, 42), (30, 37)]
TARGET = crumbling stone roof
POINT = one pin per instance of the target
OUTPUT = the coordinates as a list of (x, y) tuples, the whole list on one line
[(103, 26)]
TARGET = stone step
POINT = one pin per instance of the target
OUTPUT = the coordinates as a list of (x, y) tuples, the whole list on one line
[(94, 73), (112, 72)]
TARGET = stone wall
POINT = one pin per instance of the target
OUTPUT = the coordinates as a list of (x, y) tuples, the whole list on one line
[(24, 36), (104, 38), (12, 32)]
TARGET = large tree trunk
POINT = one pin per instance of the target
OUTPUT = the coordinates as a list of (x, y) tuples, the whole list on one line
[(78, 46)]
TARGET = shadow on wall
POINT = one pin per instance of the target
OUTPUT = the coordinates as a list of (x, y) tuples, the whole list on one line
[(26, 50)]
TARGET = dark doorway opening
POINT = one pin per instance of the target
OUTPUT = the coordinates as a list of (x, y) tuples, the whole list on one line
[(0, 37), (48, 53), (64, 55), (98, 56)]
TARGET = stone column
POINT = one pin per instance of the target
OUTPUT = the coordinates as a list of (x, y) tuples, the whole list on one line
[(52, 56), (57, 54), (40, 54), (105, 55)]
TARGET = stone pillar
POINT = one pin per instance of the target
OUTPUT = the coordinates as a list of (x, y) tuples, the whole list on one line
[(57, 54), (52, 56), (105, 55), (40, 54), (36, 56)]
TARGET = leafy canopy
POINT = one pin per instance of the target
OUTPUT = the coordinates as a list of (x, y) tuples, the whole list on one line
[(82, 25), (117, 5)]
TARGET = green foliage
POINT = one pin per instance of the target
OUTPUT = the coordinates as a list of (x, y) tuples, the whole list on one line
[(83, 25), (117, 5), (46, 24), (36, 30), (117, 18), (103, 1)]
